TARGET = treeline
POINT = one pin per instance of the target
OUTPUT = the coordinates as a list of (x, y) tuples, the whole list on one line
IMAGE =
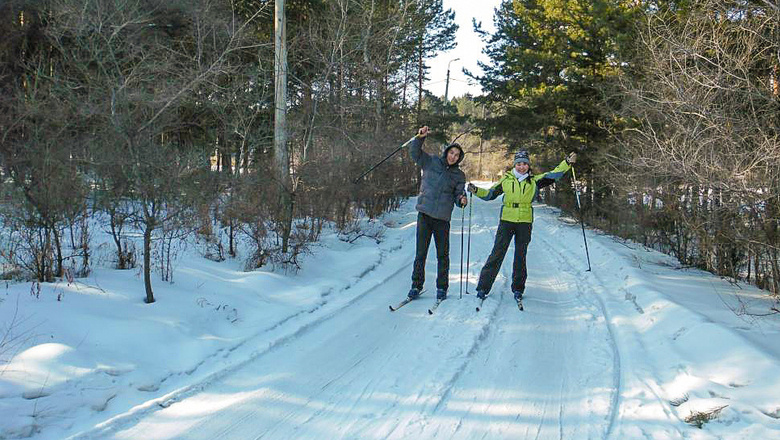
[(674, 107), (155, 118)]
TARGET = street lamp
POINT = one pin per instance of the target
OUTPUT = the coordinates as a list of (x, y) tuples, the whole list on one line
[(447, 84)]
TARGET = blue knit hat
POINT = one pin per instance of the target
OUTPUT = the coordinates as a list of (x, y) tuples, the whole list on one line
[(522, 157)]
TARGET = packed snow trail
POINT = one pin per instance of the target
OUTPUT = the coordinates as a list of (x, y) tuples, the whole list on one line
[(565, 368), (368, 373)]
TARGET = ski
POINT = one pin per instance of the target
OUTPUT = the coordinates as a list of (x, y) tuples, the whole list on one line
[(406, 301), (401, 304), (435, 306)]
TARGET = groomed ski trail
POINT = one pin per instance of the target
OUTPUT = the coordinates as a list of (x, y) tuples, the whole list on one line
[(267, 339), (558, 332), (362, 372)]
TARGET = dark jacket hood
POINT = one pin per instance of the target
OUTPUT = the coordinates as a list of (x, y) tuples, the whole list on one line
[(447, 149)]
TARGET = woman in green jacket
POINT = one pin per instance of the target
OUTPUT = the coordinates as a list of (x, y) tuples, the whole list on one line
[(519, 187)]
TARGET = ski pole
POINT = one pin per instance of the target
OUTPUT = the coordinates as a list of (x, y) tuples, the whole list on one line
[(462, 217), (579, 207), (383, 160), (468, 251)]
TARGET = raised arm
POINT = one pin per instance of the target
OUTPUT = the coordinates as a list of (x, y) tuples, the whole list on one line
[(419, 156), (488, 194), (550, 177)]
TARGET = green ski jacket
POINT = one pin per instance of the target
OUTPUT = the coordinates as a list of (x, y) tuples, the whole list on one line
[(519, 195)]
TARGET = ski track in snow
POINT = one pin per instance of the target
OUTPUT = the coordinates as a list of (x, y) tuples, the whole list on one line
[(552, 408), (617, 372), (592, 285), (354, 370), (313, 385)]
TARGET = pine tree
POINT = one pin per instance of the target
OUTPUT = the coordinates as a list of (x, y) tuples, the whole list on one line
[(549, 60)]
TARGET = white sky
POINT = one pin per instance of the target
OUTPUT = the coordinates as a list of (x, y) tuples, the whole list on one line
[(469, 48)]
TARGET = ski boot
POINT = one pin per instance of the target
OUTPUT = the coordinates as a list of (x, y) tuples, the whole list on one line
[(519, 299)]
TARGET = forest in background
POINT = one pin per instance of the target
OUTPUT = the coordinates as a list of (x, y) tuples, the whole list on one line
[(152, 118), (675, 107)]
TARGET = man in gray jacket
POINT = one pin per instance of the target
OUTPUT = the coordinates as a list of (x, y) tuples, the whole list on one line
[(442, 188)]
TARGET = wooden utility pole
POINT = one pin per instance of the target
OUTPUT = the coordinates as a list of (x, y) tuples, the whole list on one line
[(281, 152)]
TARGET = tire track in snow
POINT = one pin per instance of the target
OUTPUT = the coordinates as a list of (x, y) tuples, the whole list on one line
[(477, 348), (560, 401)]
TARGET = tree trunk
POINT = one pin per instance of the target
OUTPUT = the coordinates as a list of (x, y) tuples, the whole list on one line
[(231, 234), (406, 85), (58, 252), (378, 104), (775, 272), (116, 234), (85, 243), (227, 157), (149, 227)]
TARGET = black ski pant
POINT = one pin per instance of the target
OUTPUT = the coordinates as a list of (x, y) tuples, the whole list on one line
[(428, 226), (506, 230)]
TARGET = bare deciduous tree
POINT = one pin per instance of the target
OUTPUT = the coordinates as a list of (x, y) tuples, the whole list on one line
[(702, 156)]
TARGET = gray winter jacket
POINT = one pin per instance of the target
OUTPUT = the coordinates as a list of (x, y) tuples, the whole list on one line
[(442, 185)]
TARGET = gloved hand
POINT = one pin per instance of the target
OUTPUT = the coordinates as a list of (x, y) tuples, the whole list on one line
[(471, 188), (571, 158)]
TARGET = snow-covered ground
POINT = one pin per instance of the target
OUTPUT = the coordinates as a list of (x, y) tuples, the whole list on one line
[(630, 350)]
